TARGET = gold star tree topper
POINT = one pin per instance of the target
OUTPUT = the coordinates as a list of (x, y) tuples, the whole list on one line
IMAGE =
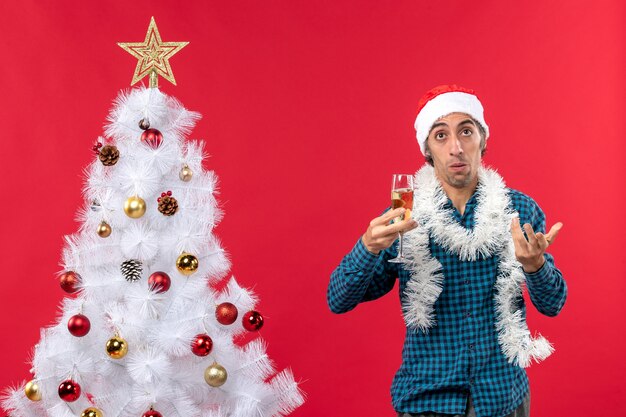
[(153, 56)]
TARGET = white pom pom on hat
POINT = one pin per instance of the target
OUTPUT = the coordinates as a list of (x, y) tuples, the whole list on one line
[(443, 100)]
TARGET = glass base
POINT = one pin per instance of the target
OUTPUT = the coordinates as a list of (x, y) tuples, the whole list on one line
[(398, 260)]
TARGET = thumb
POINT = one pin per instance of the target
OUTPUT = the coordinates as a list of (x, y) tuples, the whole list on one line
[(554, 231)]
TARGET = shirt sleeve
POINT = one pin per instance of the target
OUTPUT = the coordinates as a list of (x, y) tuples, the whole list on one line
[(546, 287), (361, 276)]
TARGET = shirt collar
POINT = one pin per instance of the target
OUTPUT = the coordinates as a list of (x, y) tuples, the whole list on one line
[(469, 206)]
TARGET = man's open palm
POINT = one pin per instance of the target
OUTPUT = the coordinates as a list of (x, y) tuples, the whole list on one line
[(529, 252)]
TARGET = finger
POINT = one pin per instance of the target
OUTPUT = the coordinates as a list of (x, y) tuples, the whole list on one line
[(543, 242), (516, 232), (409, 224), (530, 235), (386, 218), (400, 226), (554, 231)]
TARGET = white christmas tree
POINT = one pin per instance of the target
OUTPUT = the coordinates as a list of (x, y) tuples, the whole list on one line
[(145, 332)]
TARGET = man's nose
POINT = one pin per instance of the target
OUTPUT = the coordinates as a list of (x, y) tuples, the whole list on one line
[(455, 145)]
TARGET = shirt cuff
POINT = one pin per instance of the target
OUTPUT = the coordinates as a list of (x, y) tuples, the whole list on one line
[(363, 259), (540, 276)]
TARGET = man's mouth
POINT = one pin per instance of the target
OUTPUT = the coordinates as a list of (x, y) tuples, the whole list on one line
[(457, 166)]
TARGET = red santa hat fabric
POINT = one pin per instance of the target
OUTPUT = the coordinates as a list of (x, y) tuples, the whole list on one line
[(443, 100)]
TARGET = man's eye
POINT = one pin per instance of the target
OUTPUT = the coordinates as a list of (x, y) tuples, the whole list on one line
[(440, 135), (467, 132)]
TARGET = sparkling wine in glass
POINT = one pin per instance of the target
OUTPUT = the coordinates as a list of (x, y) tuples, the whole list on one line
[(401, 197)]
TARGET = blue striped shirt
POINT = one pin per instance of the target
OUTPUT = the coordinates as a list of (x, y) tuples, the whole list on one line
[(459, 356)]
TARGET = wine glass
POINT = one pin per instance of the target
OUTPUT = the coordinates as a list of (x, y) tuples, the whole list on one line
[(401, 197)]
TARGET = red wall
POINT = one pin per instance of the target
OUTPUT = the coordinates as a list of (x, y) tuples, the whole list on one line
[(308, 110)]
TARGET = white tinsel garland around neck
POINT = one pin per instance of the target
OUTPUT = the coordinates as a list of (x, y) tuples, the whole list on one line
[(490, 236)]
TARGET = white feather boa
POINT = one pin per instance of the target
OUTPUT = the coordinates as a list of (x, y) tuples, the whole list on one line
[(491, 236)]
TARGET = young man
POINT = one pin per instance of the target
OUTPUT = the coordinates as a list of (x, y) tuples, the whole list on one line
[(467, 258)]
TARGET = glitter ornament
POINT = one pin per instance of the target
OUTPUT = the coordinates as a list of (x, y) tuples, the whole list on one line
[(69, 281), (91, 412), (152, 137), (32, 391), (79, 325), (226, 313), (135, 207), (252, 321), (117, 347), (69, 390), (104, 230), (153, 56), (187, 264), (215, 375), (159, 282), (201, 344)]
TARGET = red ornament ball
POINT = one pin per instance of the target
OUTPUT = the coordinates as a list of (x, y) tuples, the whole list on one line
[(252, 321), (69, 390), (152, 413), (159, 281), (69, 281), (152, 137), (79, 325), (226, 313), (201, 344)]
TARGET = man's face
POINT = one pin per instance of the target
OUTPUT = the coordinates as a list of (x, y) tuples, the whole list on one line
[(454, 143)]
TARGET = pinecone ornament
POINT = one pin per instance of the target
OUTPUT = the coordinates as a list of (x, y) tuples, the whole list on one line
[(109, 155), (131, 270), (167, 204)]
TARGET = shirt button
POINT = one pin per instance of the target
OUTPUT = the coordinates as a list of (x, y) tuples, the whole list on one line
[(471, 346), (471, 380), (466, 282), (468, 313)]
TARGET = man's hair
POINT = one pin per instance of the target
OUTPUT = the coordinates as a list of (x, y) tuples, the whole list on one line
[(483, 143)]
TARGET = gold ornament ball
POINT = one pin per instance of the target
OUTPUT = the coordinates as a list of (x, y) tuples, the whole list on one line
[(104, 230), (135, 207), (215, 375), (186, 173), (187, 264), (91, 412), (117, 347), (32, 391)]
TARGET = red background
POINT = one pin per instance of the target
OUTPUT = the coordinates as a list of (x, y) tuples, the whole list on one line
[(308, 110)]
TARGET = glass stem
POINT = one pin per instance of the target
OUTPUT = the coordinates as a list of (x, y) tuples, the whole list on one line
[(400, 251)]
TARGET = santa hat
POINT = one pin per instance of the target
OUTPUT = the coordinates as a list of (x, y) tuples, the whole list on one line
[(441, 101)]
